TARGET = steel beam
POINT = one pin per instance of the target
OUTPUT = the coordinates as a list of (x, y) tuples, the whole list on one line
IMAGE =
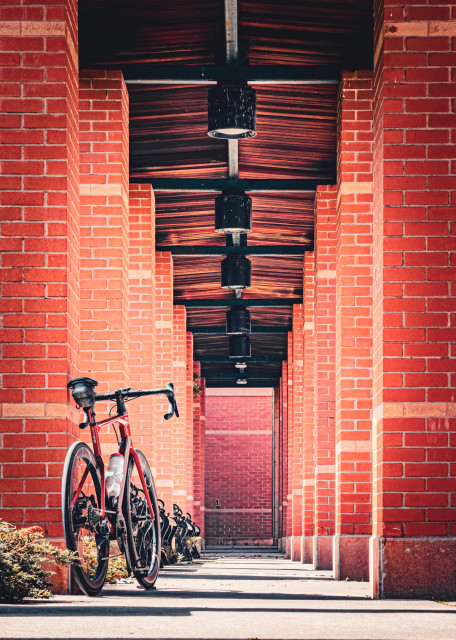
[(252, 250), (203, 303), (221, 330), (208, 74), (217, 185)]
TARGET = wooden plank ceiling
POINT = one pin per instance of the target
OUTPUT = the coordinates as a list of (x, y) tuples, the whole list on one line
[(296, 137)]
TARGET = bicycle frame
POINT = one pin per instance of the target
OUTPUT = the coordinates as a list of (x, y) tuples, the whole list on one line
[(125, 448)]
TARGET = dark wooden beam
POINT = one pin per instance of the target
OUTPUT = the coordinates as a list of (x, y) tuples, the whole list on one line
[(208, 303), (243, 376), (253, 250), (209, 74), (217, 185), (221, 330), (251, 359), (252, 384)]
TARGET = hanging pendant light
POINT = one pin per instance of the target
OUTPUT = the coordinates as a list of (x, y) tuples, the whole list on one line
[(231, 110), (233, 213), (238, 320), (239, 346), (236, 272)]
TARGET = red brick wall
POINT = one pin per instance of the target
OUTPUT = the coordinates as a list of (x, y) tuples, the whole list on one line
[(238, 467), (39, 255)]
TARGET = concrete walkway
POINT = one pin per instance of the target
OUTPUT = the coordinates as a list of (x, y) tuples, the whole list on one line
[(229, 596)]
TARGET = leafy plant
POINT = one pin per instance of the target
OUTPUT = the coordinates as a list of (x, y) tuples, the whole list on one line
[(196, 387), (117, 566), (22, 554)]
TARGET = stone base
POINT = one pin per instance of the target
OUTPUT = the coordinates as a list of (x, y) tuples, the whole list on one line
[(322, 553), (307, 545), (287, 548), (296, 547), (413, 568), (351, 557)]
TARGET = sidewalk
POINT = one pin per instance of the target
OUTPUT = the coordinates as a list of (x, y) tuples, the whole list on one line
[(233, 597)]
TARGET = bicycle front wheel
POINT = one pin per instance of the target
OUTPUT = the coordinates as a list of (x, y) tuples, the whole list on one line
[(81, 500), (143, 531)]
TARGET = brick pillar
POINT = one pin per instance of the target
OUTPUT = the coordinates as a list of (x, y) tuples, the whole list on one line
[(198, 479), (290, 444), (103, 109), (39, 240), (179, 426), (202, 482), (354, 328), (276, 467), (298, 426), (164, 373), (324, 399), (414, 543), (284, 450), (141, 275), (308, 484), (189, 454)]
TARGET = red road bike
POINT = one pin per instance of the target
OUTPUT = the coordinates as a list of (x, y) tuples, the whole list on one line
[(119, 503)]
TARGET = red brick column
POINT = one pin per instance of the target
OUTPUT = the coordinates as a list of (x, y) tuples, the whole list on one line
[(284, 439), (198, 452), (308, 483), (141, 275), (202, 458), (289, 494), (324, 404), (164, 373), (103, 108), (189, 442), (179, 425), (39, 240), (298, 427), (413, 551), (354, 328)]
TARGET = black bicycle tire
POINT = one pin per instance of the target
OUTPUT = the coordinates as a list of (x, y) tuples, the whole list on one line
[(148, 581), (88, 586)]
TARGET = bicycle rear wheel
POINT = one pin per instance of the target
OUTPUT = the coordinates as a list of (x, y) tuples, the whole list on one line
[(81, 518), (143, 532)]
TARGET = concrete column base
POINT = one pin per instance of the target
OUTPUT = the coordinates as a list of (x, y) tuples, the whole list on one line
[(286, 547), (296, 546), (322, 553), (351, 557), (307, 549), (413, 568)]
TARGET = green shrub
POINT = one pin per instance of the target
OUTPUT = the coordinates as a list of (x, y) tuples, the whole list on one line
[(22, 554)]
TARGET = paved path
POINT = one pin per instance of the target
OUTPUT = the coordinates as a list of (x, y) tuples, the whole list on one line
[(233, 597)]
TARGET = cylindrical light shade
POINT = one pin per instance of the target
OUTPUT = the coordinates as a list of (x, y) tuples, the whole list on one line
[(231, 111), (233, 213), (236, 272), (238, 320), (239, 346)]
